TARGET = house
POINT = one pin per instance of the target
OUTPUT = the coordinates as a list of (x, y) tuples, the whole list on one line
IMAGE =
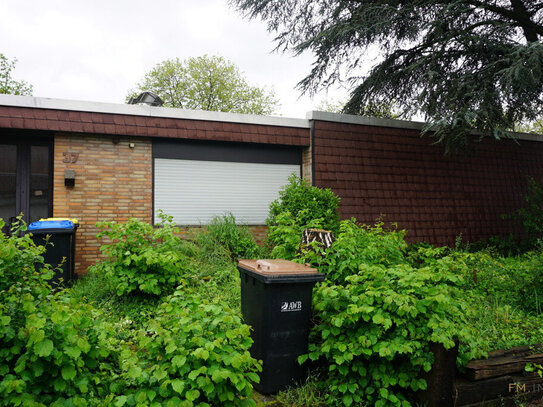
[(99, 161)]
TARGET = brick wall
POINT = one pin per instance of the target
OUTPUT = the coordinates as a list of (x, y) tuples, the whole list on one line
[(113, 182), (395, 172)]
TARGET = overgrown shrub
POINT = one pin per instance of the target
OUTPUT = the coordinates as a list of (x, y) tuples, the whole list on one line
[(374, 330), (236, 239), (193, 353), (531, 215), (357, 245), (19, 259), (141, 258), (286, 234), (515, 281), (52, 351), (308, 206)]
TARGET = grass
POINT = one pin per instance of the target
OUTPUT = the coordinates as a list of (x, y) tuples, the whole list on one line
[(498, 317), (307, 395)]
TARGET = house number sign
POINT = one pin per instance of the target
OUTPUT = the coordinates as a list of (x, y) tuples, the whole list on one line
[(70, 157)]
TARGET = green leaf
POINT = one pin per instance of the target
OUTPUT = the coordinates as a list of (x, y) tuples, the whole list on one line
[(192, 395), (68, 372), (44, 348), (120, 401), (178, 386)]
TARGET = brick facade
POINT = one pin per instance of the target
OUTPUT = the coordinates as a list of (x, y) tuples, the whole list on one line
[(396, 173), (113, 182), (377, 166)]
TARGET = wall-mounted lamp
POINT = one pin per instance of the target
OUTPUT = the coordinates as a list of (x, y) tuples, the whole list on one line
[(69, 178)]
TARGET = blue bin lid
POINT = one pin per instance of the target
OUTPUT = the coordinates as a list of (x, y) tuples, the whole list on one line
[(51, 224)]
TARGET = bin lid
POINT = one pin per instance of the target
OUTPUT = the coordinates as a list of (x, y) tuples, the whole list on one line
[(51, 225), (276, 266), (280, 271), (74, 221)]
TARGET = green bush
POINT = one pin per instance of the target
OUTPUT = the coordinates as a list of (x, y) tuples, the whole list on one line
[(52, 351), (357, 245), (531, 215), (286, 235), (236, 239), (19, 259), (193, 353), (374, 330), (309, 207), (514, 281), (141, 258)]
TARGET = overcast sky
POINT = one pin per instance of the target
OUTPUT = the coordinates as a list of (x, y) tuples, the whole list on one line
[(97, 50)]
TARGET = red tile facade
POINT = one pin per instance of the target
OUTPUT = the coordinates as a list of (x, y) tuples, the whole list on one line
[(385, 172), (397, 175), (146, 126)]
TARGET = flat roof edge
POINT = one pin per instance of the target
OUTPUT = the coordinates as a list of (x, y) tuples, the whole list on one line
[(394, 123), (149, 111)]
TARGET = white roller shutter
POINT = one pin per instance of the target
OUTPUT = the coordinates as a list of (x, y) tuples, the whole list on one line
[(194, 191)]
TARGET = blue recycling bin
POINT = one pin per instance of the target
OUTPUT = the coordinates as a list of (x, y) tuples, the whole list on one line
[(59, 238)]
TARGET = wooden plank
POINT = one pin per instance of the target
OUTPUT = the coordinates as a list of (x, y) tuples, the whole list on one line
[(518, 350), (472, 392), (503, 362), (469, 392)]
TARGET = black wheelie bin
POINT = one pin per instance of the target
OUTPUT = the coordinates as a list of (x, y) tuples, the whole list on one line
[(276, 301), (61, 245)]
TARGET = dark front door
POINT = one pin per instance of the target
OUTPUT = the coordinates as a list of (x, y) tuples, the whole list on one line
[(25, 178)]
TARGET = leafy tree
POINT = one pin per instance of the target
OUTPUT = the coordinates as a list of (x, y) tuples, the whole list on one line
[(535, 127), (371, 109), (206, 83), (7, 84), (463, 64)]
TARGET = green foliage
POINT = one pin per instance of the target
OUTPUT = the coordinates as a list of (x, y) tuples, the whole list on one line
[(376, 314), (505, 246), (236, 239), (52, 350), (206, 83), (9, 85), (514, 281), (286, 233), (193, 353), (141, 258), (357, 245), (504, 295), (375, 328), (306, 203), (300, 206), (501, 326), (463, 65), (534, 367), (372, 109), (20, 257), (307, 395), (531, 216)]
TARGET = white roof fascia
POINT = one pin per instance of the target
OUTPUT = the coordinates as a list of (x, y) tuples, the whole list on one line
[(400, 124), (149, 111)]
